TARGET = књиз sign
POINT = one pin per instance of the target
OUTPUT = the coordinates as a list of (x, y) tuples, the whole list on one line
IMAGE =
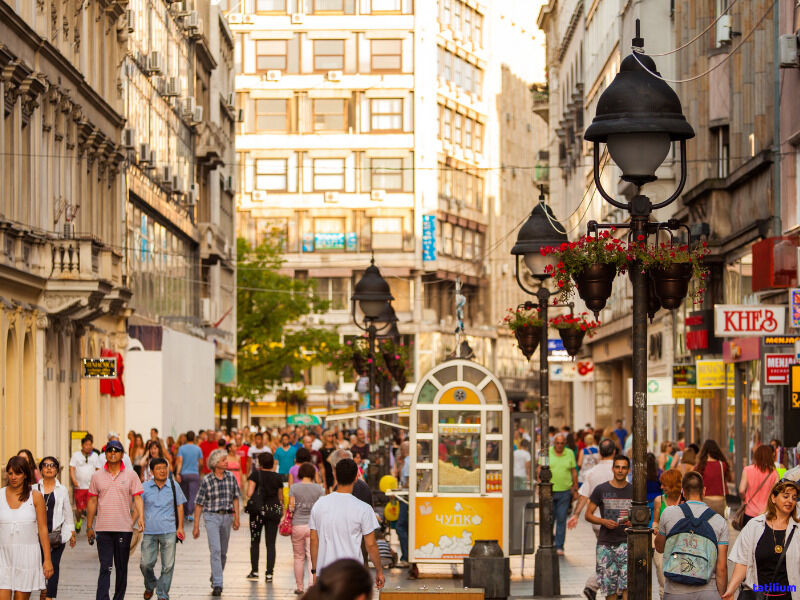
[(100, 368)]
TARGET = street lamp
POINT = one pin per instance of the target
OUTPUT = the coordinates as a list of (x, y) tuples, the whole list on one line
[(287, 376), (540, 231), (638, 116), (372, 294)]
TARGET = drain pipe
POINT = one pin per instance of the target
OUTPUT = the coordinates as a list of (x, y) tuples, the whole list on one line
[(776, 121)]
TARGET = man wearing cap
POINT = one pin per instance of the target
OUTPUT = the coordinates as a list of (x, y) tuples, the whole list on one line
[(110, 492), (163, 517), (101, 460), (218, 501)]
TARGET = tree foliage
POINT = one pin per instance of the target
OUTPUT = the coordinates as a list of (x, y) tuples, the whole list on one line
[(272, 320)]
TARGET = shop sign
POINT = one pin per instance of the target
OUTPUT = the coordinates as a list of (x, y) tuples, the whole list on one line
[(556, 351), (776, 368), (659, 391), (781, 340), (684, 376), (741, 350), (691, 392), (711, 374), (794, 307), (794, 377), (446, 528), (428, 238), (739, 320), (580, 370), (100, 368)]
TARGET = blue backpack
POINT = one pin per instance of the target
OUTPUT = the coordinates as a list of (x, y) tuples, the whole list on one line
[(690, 553)]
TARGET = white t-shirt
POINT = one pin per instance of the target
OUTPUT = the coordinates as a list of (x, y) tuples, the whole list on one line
[(85, 466), (521, 459), (253, 453), (316, 444), (341, 521), (602, 472)]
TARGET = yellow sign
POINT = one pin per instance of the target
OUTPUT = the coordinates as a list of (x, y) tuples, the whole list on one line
[(690, 392), (459, 396), (711, 374), (456, 428), (446, 528), (794, 381), (100, 368)]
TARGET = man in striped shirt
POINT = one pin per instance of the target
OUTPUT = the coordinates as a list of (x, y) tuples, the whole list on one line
[(110, 492)]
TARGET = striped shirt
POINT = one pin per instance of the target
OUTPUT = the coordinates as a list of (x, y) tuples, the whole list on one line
[(114, 494)]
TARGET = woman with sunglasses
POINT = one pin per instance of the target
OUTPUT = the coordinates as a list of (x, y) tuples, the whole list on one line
[(60, 524), (23, 531), (766, 555)]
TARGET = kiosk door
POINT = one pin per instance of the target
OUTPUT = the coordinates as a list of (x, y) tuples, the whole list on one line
[(523, 465)]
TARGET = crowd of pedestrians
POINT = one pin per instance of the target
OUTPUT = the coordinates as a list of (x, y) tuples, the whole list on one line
[(143, 492)]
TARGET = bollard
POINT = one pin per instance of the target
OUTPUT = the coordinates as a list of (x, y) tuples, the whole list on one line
[(487, 568)]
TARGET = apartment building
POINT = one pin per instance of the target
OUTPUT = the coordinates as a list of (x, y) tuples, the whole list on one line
[(63, 290), (177, 88), (371, 127)]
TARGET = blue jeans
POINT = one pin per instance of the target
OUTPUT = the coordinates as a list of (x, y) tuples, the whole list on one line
[(218, 530), (151, 545), (402, 531), (560, 508)]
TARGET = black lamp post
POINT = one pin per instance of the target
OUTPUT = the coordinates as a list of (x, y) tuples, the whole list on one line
[(541, 230), (287, 376), (638, 117)]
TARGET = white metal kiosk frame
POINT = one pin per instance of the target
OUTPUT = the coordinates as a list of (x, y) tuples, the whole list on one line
[(460, 476)]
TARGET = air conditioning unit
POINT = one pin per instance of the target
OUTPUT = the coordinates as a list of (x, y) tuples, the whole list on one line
[(334, 75), (160, 83), (724, 30), (177, 185), (234, 18), (178, 7), (197, 115), (297, 18), (191, 20), (229, 100), (128, 137), (331, 197), (788, 51), (155, 62), (248, 19), (173, 87), (191, 197), (166, 176), (377, 195), (259, 195), (205, 309), (144, 153), (130, 20), (228, 183), (273, 75), (188, 105), (151, 164), (196, 31)]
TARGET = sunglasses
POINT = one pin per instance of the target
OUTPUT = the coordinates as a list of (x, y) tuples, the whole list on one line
[(112, 450), (49, 465)]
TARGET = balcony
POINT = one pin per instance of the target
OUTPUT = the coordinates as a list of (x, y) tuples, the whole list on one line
[(541, 100)]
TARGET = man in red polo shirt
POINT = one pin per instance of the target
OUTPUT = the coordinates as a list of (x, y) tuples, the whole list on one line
[(110, 492), (208, 446)]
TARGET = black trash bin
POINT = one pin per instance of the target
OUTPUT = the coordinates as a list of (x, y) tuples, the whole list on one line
[(487, 568)]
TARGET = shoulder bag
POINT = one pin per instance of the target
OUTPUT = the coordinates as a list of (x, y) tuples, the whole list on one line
[(54, 537), (175, 505), (748, 593), (255, 504), (737, 521)]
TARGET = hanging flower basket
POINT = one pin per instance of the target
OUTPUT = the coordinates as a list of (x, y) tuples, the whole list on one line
[(572, 329), (672, 268), (591, 264), (671, 284), (595, 284), (527, 328)]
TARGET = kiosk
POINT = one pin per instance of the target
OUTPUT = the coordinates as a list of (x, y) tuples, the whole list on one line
[(460, 476)]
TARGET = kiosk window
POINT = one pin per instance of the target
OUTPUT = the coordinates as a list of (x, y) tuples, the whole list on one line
[(491, 393), (494, 421), (427, 394), (494, 451), (447, 375), (425, 420), (425, 481), (459, 452), (424, 451), (473, 376)]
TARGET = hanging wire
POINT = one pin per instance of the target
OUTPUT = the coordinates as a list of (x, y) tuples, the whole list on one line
[(636, 51), (698, 36)]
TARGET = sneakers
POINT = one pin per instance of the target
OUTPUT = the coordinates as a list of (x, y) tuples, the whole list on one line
[(589, 593), (189, 518), (402, 564), (78, 524), (217, 591), (252, 575), (148, 594), (268, 577)]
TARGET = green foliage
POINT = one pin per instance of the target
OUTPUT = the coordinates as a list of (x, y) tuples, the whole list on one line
[(271, 311)]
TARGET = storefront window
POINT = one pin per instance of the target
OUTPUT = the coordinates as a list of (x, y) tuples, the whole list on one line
[(425, 420), (459, 446), (424, 454)]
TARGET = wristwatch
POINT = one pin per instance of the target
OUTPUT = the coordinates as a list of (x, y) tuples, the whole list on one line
[(313, 571)]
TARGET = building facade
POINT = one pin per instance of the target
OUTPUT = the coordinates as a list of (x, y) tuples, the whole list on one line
[(373, 127)]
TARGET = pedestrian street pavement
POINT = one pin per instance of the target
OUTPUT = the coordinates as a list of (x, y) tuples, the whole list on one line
[(79, 568)]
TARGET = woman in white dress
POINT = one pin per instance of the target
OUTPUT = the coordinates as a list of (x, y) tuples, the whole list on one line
[(23, 531)]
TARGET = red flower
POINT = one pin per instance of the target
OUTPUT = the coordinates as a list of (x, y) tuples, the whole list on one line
[(640, 237)]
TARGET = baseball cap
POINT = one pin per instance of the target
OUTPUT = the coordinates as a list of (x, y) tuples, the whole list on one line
[(114, 444)]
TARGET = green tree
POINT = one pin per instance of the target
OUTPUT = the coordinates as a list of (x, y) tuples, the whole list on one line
[(272, 324)]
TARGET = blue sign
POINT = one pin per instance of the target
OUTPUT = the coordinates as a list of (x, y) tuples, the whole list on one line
[(428, 237), (329, 241), (351, 242), (308, 242), (555, 345)]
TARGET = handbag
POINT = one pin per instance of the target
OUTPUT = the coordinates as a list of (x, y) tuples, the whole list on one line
[(285, 526), (174, 505), (54, 537), (737, 522), (748, 593), (727, 509)]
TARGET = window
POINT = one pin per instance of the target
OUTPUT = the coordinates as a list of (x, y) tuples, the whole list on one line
[(458, 75), (328, 55), (457, 136), (387, 233), (271, 174), (386, 114), (386, 56), (457, 15), (446, 11), (271, 55), (721, 151), (386, 6), (448, 239), (333, 6), (330, 114), (387, 174), (478, 137), (458, 242), (271, 6), (468, 22), (329, 234), (447, 124), (328, 174), (334, 289), (448, 66), (468, 133), (468, 245), (477, 30), (272, 115)]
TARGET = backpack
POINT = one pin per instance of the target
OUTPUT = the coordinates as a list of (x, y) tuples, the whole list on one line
[(690, 553)]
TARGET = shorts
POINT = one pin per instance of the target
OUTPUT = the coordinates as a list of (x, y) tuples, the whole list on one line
[(612, 568), (81, 499)]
